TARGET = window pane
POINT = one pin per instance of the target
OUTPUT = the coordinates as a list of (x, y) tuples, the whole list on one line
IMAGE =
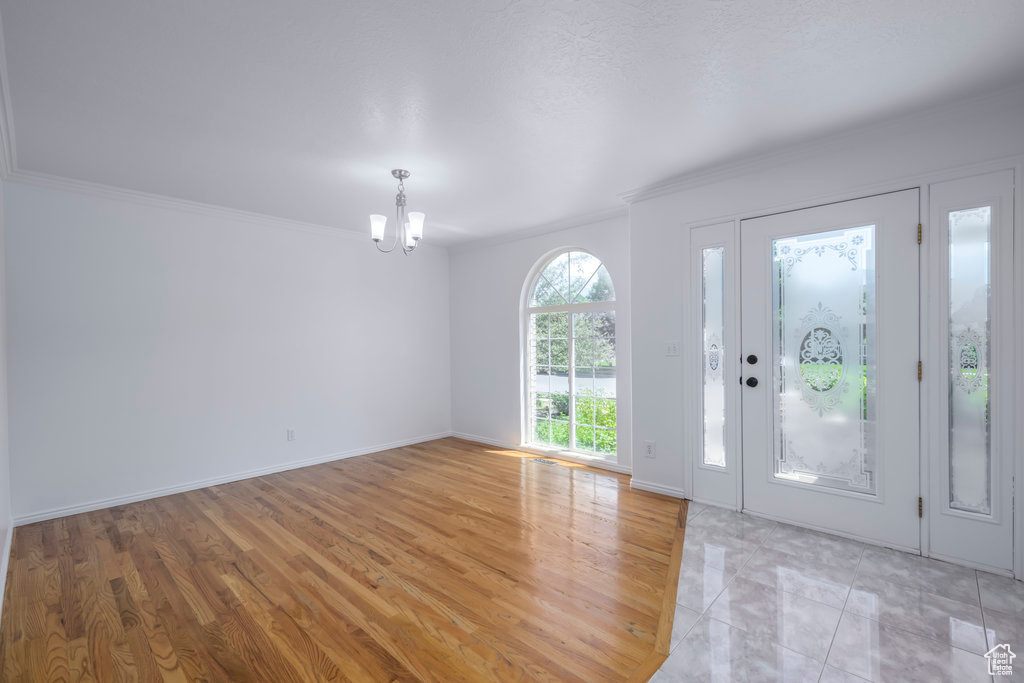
[(560, 434), (560, 352), (542, 432), (604, 412), (582, 267), (585, 438), (970, 458), (541, 380), (584, 381), (598, 288), (584, 409), (542, 407), (604, 440), (714, 350), (556, 277), (559, 325), (540, 324), (559, 380), (585, 349), (559, 406), (541, 352), (546, 294), (824, 349)]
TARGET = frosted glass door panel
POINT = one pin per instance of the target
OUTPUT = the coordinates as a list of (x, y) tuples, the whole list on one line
[(970, 468), (830, 309), (973, 451), (824, 347), (714, 334)]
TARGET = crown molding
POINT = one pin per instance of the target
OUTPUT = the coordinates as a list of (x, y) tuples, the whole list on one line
[(794, 152), (578, 221)]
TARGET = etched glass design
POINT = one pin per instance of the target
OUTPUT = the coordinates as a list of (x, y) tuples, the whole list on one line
[(713, 317), (824, 345), (970, 455)]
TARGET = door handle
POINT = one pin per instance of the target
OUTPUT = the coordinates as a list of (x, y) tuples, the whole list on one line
[(752, 359), (751, 381)]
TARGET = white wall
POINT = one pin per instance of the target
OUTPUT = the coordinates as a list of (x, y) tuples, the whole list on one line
[(487, 285), (883, 158), (154, 348)]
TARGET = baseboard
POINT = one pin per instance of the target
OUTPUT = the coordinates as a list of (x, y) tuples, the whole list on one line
[(657, 488), (43, 515), (4, 561), (561, 455)]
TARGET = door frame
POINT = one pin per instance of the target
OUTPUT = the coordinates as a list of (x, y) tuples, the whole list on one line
[(922, 181)]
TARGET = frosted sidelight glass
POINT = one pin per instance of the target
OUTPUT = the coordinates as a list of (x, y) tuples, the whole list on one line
[(713, 317), (970, 457), (824, 346)]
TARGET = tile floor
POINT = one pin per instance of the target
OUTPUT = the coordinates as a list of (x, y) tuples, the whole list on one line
[(761, 601)]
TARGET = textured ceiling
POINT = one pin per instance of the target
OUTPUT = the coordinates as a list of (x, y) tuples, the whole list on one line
[(509, 114)]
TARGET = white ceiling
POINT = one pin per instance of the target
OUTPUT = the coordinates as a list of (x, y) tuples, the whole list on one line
[(510, 114)]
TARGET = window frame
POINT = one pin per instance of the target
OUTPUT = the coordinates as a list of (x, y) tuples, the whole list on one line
[(528, 400)]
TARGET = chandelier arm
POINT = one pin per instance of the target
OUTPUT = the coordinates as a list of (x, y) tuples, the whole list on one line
[(386, 251), (400, 211)]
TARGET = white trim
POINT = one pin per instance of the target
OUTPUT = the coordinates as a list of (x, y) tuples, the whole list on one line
[(716, 173), (54, 513), (4, 561), (582, 307), (599, 463), (635, 483)]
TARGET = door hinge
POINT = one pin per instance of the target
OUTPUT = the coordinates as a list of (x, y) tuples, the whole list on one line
[(919, 233), (920, 371), (920, 507)]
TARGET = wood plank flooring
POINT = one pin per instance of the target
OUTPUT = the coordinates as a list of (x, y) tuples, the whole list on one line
[(444, 561)]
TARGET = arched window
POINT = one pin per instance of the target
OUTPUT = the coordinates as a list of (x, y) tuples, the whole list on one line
[(570, 352)]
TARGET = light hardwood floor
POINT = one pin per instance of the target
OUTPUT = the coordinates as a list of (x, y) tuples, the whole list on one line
[(448, 561)]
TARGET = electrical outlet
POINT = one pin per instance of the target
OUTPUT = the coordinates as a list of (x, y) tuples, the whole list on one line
[(291, 434), (650, 449), (672, 348)]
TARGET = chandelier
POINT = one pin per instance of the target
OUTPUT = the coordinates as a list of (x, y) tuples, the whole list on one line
[(410, 225)]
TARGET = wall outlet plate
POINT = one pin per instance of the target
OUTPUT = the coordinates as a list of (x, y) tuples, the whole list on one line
[(650, 449)]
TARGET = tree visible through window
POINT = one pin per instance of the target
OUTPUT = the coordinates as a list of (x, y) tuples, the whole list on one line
[(571, 356)]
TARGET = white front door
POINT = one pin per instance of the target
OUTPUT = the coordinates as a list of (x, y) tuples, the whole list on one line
[(830, 391)]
